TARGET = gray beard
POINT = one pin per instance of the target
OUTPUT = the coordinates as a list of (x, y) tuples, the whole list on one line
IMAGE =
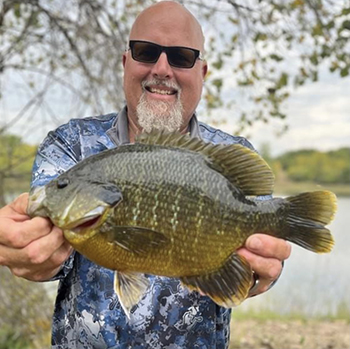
[(159, 115)]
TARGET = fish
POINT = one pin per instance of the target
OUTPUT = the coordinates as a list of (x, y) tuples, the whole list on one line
[(176, 206)]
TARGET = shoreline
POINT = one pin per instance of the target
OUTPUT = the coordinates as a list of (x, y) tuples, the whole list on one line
[(289, 334)]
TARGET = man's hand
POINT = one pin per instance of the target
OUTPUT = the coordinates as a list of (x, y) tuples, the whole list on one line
[(265, 254), (32, 248)]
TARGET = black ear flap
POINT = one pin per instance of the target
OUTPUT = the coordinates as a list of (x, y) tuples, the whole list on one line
[(110, 194)]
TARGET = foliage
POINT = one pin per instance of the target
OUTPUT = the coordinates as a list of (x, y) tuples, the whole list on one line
[(15, 156), (26, 312), (9, 339), (73, 58), (16, 160), (320, 167)]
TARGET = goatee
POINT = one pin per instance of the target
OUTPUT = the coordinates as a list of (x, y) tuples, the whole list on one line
[(159, 115)]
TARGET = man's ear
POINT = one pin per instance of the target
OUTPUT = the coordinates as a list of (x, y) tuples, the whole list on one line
[(124, 59), (204, 69)]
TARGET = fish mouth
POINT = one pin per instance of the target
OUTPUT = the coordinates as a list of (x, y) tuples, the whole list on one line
[(36, 199), (84, 224), (90, 221), (81, 231)]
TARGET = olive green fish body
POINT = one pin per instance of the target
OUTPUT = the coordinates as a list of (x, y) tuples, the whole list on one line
[(197, 211), (178, 207)]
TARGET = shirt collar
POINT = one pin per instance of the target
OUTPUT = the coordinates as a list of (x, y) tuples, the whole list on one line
[(119, 132)]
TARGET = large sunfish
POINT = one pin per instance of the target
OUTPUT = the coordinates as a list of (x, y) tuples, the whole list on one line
[(176, 206)]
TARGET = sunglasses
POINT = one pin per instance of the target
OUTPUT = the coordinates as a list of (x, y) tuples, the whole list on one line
[(178, 56)]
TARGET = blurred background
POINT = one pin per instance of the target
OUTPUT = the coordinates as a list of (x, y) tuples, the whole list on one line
[(278, 75)]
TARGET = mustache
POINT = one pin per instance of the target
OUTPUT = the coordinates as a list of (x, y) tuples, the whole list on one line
[(161, 82)]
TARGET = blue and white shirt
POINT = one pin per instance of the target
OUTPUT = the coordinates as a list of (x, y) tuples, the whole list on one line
[(87, 312)]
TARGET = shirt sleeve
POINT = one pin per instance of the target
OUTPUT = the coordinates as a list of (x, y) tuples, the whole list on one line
[(59, 151)]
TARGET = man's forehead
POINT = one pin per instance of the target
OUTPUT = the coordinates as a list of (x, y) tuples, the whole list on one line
[(168, 20)]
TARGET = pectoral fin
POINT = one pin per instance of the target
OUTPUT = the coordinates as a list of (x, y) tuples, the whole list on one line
[(129, 287), (227, 286), (136, 239)]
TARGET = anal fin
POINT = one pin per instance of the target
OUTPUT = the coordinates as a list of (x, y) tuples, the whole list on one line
[(129, 287), (228, 286)]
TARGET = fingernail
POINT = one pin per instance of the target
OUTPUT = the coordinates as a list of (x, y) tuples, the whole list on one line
[(255, 243)]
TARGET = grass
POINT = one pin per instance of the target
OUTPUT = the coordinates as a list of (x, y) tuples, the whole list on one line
[(262, 315)]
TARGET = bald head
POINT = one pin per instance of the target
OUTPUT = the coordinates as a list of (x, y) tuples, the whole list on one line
[(167, 21), (159, 94)]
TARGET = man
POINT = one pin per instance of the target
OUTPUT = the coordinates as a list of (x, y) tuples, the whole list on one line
[(163, 78)]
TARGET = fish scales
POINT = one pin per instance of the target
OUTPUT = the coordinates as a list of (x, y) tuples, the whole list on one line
[(181, 238), (178, 207), (147, 174)]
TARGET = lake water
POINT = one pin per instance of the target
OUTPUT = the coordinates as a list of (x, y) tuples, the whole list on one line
[(313, 284)]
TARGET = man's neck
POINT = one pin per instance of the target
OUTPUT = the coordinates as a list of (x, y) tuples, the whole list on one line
[(133, 129)]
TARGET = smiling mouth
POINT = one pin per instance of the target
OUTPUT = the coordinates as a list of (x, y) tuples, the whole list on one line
[(161, 91)]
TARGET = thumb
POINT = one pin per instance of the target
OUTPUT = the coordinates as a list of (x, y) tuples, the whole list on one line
[(19, 205)]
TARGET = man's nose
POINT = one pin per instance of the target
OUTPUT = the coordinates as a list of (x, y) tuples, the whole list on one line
[(162, 68)]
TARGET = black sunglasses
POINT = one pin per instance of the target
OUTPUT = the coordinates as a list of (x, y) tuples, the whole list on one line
[(178, 56)]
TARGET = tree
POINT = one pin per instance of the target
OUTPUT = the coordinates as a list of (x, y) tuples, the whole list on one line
[(16, 159), (267, 47), (319, 167)]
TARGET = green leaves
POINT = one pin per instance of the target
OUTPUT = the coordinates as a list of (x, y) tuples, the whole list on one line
[(344, 71), (276, 57), (16, 161), (17, 10), (320, 167), (283, 81)]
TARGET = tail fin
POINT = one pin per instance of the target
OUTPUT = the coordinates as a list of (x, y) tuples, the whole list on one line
[(307, 217)]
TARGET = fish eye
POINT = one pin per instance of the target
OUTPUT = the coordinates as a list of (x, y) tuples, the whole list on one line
[(62, 183)]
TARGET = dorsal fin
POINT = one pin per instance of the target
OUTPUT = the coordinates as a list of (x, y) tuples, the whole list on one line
[(244, 168)]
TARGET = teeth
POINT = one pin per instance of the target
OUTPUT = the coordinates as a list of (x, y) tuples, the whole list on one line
[(161, 92)]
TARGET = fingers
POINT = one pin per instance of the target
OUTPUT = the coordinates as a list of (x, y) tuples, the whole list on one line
[(16, 228), (268, 246), (20, 203), (31, 248), (20, 234), (266, 268), (48, 269), (40, 260), (265, 255), (17, 209), (35, 253)]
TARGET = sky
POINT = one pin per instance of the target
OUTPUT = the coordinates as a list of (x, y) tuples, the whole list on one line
[(318, 116)]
